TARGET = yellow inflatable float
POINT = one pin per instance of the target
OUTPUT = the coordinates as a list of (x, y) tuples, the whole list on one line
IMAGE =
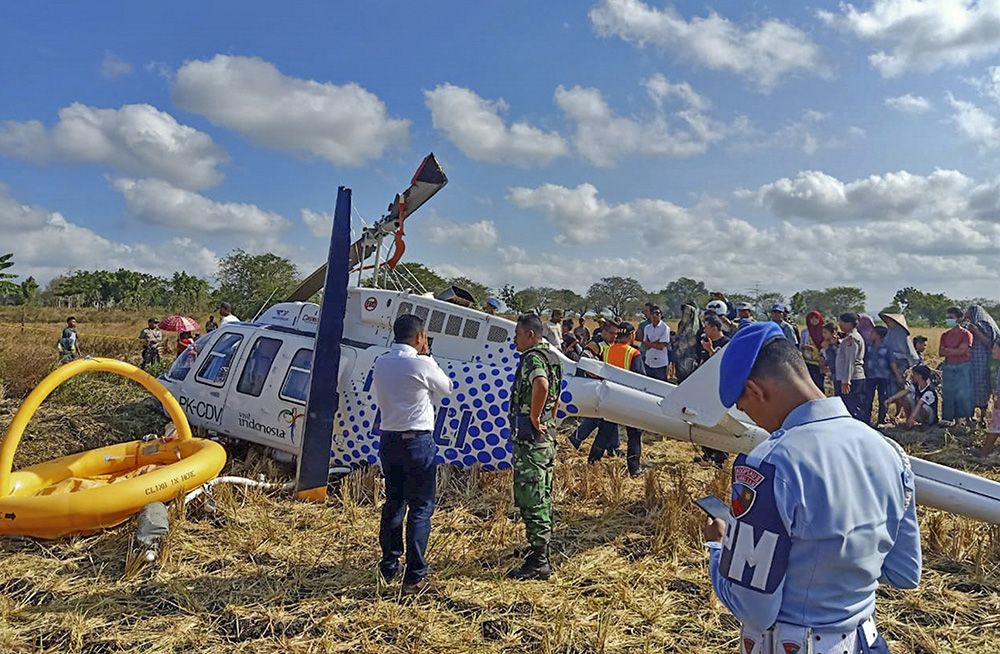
[(86, 492)]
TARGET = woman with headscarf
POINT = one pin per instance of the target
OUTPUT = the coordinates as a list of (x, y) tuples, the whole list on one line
[(685, 343), (984, 333), (902, 354), (812, 344)]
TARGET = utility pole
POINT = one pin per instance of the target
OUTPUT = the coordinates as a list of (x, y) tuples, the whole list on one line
[(755, 290)]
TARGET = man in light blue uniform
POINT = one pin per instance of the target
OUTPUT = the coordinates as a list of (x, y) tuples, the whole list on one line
[(822, 511)]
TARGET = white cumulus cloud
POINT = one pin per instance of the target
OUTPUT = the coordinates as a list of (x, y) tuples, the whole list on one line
[(319, 224), (805, 134), (46, 244), (911, 104), (661, 89), (605, 137), (922, 35), (817, 196), (346, 125), (480, 235), (158, 202), (581, 217), (476, 126), (939, 232), (975, 124), (763, 55), (113, 66), (137, 139), (989, 84)]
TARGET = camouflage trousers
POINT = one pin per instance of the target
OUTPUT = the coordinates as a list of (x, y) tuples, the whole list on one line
[(534, 466)]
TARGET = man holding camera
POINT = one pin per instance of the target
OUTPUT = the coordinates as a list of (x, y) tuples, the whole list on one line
[(712, 339)]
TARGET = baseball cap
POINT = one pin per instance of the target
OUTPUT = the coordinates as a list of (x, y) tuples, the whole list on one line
[(624, 329), (779, 307), (739, 356), (493, 303), (743, 306), (718, 306)]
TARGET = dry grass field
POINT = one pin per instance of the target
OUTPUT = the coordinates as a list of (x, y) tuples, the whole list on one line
[(265, 573)]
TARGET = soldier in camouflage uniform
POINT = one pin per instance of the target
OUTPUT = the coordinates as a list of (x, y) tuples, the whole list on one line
[(533, 402)]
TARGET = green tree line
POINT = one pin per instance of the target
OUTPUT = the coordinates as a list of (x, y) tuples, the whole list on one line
[(252, 282), (246, 281)]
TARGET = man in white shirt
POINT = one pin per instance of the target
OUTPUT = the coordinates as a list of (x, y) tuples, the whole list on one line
[(656, 338), (553, 329), (407, 383), (225, 315)]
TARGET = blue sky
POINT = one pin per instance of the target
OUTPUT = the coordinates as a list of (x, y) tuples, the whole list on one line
[(794, 146)]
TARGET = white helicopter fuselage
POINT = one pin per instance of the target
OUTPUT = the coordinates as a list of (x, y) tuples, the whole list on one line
[(249, 380)]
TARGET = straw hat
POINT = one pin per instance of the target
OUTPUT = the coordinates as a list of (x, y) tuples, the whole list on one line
[(897, 318)]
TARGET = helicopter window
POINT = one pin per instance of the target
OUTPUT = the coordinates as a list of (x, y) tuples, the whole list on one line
[(421, 312), (497, 334), (404, 308), (258, 365), (436, 323), (182, 364), (215, 370), (471, 329), (454, 325), (296, 385)]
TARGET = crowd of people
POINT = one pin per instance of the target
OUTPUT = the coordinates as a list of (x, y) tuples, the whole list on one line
[(878, 371)]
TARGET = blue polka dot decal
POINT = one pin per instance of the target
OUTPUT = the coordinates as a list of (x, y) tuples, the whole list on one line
[(470, 427)]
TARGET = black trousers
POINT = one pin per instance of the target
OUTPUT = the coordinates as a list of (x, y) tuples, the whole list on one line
[(410, 479), (607, 439)]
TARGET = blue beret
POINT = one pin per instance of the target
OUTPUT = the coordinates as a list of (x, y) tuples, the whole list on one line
[(739, 356)]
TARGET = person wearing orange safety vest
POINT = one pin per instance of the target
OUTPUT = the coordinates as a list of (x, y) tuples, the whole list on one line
[(621, 354)]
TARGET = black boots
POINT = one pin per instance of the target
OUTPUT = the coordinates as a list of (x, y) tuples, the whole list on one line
[(535, 566)]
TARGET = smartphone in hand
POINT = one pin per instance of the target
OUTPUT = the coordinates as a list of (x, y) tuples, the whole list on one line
[(713, 506)]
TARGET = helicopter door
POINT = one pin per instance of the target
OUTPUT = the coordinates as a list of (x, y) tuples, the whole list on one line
[(291, 384), (251, 412), (211, 381)]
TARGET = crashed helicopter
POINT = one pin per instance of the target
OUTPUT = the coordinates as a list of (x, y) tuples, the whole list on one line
[(250, 380)]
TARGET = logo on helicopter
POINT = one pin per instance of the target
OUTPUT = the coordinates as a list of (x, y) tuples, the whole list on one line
[(293, 418), (249, 422)]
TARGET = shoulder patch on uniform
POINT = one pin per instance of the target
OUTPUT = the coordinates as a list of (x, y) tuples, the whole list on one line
[(745, 482)]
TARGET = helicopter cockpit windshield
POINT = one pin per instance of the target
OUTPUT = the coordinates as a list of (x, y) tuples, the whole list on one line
[(183, 363)]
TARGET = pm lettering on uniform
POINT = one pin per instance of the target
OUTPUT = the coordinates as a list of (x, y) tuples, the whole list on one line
[(745, 550)]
